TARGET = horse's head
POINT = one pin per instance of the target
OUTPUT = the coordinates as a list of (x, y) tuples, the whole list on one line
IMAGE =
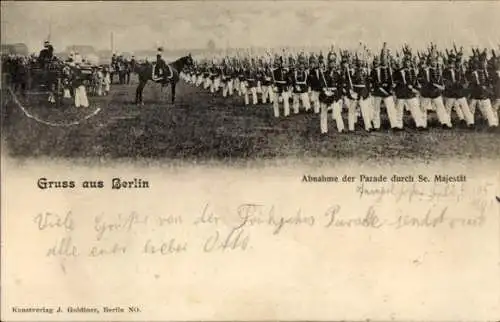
[(189, 60)]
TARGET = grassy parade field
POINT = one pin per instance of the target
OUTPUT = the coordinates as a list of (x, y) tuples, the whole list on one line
[(202, 127)]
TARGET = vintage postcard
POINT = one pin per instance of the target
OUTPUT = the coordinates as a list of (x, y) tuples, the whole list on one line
[(250, 161)]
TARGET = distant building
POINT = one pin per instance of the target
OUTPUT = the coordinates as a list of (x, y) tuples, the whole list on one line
[(18, 48), (82, 49)]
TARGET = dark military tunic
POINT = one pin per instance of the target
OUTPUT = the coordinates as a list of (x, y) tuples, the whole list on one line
[(300, 84), (267, 77), (381, 81), (361, 83), (405, 80), (281, 79), (455, 83), (331, 85), (427, 78), (315, 80), (479, 84)]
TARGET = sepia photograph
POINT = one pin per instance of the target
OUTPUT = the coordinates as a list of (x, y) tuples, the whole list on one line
[(198, 81), (250, 160)]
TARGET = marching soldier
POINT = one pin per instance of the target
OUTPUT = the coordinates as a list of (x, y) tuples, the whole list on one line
[(406, 94), (315, 82), (495, 81), (382, 84), (456, 90), (300, 86), (281, 83), (330, 96), (226, 78), (480, 89), (241, 77), (234, 75), (267, 89), (259, 78), (251, 83), (357, 92), (431, 79), (214, 77), (207, 75)]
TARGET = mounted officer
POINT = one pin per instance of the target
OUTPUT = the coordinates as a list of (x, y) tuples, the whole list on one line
[(46, 54), (161, 71)]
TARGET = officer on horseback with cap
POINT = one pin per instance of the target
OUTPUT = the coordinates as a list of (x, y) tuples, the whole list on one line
[(46, 54), (161, 66)]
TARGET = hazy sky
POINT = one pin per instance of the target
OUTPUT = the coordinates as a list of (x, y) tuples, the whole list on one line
[(190, 24)]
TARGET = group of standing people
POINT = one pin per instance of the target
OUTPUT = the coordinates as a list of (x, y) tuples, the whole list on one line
[(123, 67), (361, 84)]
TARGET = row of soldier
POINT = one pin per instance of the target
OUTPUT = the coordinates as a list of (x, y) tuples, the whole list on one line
[(362, 84)]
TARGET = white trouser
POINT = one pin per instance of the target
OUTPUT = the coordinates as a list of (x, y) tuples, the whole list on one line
[(413, 105), (81, 97), (390, 108), (486, 110), (366, 113), (237, 86), (199, 80), (243, 88), (285, 98), (428, 103), (227, 88), (215, 85), (267, 92), (208, 83), (496, 105), (259, 87), (461, 107), (315, 101), (253, 91), (304, 98), (336, 108)]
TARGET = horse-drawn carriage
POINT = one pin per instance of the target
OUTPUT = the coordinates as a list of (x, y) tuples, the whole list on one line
[(54, 81)]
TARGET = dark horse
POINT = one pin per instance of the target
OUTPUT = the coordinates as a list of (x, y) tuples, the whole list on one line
[(145, 73)]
